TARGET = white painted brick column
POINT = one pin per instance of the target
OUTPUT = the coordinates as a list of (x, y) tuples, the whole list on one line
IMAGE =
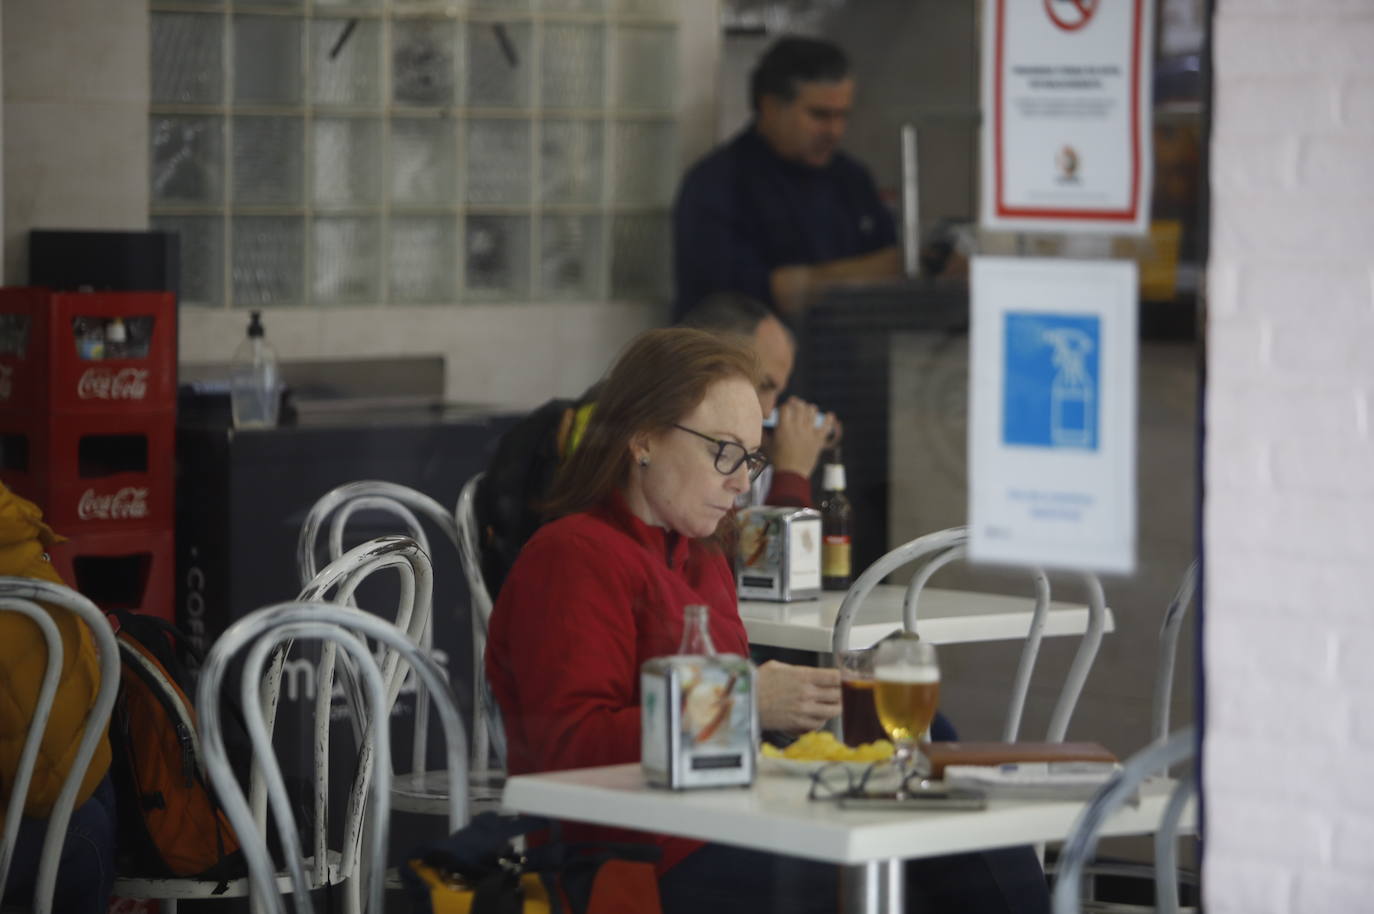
[(1289, 511)]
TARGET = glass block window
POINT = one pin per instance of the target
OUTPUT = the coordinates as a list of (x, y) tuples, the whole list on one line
[(365, 152)]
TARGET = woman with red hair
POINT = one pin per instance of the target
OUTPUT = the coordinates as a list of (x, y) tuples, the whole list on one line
[(642, 511)]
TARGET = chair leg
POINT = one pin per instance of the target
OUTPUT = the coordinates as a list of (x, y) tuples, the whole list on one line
[(353, 892)]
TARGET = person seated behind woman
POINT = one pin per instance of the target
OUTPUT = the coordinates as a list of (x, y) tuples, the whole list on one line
[(86, 872), (641, 509)]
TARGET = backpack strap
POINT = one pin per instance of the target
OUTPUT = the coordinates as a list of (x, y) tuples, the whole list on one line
[(173, 698)]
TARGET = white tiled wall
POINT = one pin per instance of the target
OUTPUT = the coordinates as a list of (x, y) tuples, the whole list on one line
[(515, 355), (1290, 461), (75, 119), (75, 122)]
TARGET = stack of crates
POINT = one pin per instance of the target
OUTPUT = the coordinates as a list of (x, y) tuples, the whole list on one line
[(87, 430)]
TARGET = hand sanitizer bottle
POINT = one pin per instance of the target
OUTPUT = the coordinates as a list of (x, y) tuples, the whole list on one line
[(254, 384)]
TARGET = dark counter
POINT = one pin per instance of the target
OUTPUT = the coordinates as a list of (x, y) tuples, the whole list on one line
[(241, 499), (845, 366)]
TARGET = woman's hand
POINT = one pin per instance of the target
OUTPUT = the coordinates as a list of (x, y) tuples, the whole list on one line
[(796, 698)]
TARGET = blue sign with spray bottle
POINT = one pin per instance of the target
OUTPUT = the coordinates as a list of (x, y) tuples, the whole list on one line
[(1052, 388), (1050, 391)]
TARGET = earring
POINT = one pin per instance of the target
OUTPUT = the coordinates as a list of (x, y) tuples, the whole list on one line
[(644, 461)]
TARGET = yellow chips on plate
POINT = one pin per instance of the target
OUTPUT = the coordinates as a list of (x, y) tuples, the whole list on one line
[(822, 746)]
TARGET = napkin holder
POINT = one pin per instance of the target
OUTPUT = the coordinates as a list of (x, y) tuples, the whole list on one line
[(779, 554)]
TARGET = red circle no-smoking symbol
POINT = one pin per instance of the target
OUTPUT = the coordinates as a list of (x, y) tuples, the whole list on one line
[(1071, 15)]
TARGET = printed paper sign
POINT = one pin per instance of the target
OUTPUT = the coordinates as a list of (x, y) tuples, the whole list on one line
[(1066, 107), (1052, 413)]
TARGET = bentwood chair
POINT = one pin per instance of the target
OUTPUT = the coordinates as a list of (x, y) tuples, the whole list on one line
[(338, 506), (489, 737), (23, 596), (339, 581), (1168, 649), (1079, 847), (422, 791), (340, 578), (938, 549), (1095, 874), (266, 635)]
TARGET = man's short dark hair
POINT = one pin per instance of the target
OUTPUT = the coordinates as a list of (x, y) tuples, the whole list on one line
[(793, 60), (727, 312)]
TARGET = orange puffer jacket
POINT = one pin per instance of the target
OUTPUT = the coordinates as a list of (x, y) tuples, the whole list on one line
[(24, 541)]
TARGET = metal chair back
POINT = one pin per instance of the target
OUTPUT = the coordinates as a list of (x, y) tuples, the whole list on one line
[(411, 507), (1081, 844), (407, 503), (1168, 649), (938, 549), (264, 634), (23, 595), (341, 579), (1164, 872), (488, 732)]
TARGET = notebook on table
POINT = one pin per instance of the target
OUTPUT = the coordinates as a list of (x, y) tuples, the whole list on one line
[(1029, 770)]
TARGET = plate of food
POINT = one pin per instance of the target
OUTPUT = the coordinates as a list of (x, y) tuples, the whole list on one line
[(814, 750)]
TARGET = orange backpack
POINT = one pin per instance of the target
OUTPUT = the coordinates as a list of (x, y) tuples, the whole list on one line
[(169, 820)]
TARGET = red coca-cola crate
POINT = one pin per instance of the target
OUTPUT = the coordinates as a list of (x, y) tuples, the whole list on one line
[(92, 472), (130, 569), (55, 355)]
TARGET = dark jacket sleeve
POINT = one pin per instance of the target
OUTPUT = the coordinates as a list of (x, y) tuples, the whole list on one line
[(885, 229), (712, 251)]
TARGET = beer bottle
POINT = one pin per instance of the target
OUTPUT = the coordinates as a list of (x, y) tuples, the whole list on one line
[(837, 524)]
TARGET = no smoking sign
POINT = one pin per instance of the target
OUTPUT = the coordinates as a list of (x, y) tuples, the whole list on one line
[(1071, 15)]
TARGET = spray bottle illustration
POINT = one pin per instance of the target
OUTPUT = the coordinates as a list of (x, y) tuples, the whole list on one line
[(1072, 411)]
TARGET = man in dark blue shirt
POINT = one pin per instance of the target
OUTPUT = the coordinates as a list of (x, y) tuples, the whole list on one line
[(779, 213)]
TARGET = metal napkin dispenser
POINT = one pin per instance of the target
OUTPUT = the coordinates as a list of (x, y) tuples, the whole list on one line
[(779, 554), (700, 721)]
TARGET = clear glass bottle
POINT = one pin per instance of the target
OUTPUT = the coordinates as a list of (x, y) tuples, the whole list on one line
[(837, 528), (696, 632), (254, 381)]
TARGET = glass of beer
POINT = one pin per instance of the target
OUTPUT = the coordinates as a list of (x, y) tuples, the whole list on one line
[(906, 692), (858, 715)]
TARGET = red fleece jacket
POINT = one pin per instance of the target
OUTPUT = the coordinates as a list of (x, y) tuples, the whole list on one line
[(590, 598)]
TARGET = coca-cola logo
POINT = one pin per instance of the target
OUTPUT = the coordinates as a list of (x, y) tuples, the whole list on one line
[(6, 381), (129, 503), (102, 384)]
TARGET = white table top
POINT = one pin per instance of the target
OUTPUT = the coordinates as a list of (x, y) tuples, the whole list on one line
[(775, 815), (943, 617)]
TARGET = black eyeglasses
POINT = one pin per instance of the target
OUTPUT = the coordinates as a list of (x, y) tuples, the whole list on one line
[(846, 779), (839, 779), (729, 455)]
